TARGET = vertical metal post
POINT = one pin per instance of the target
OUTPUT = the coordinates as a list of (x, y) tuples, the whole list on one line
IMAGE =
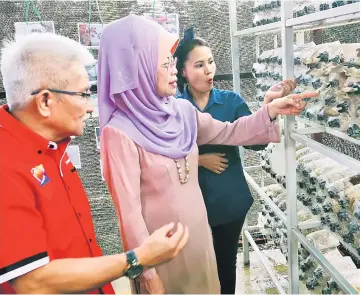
[(290, 148), (258, 53), (246, 260), (258, 47), (275, 41), (245, 243), (237, 88), (234, 46)]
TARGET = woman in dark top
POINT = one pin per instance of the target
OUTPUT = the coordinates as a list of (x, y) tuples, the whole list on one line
[(225, 191)]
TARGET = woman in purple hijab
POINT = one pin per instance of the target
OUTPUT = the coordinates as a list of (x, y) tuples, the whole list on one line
[(149, 150)]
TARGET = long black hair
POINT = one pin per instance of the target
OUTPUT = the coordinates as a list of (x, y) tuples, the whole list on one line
[(186, 45)]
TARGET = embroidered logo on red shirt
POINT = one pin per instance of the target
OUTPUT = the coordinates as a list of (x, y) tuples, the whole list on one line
[(40, 175)]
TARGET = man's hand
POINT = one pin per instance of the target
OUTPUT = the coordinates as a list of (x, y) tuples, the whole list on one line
[(216, 163), (163, 245), (289, 105), (279, 90), (81, 275), (152, 286)]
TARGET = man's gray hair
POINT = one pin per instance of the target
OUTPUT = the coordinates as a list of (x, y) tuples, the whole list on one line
[(39, 60)]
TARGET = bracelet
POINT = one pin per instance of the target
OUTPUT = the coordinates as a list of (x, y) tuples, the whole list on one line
[(274, 119)]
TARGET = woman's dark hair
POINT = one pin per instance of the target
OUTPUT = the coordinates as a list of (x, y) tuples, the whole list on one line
[(183, 49)]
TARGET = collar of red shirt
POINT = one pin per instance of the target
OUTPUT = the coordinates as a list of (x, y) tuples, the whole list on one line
[(22, 133)]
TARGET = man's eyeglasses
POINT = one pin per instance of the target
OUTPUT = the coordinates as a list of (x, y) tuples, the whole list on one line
[(82, 94), (170, 64)]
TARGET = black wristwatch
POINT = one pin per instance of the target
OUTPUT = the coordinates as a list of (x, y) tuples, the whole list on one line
[(134, 269)]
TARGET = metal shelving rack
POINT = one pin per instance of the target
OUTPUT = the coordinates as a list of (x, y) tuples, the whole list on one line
[(288, 26)]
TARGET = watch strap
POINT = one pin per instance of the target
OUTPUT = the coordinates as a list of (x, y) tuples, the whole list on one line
[(132, 259)]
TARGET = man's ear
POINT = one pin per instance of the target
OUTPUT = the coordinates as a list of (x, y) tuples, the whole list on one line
[(43, 101)]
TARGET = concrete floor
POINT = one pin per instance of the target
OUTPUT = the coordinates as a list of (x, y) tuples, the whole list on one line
[(254, 279), (250, 280)]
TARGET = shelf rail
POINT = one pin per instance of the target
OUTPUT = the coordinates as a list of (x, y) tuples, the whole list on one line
[(342, 283), (341, 13), (265, 263), (267, 200), (329, 152), (328, 130), (339, 16), (287, 26)]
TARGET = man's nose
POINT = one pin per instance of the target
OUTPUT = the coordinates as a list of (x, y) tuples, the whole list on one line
[(90, 106)]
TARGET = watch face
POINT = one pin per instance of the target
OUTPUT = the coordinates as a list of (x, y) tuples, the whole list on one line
[(134, 272)]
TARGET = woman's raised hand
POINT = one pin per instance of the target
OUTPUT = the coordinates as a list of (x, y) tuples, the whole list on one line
[(279, 90), (289, 105)]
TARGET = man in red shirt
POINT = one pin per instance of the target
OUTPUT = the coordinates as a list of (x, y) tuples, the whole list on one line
[(47, 239)]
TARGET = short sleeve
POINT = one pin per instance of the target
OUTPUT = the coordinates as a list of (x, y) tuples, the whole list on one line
[(241, 110), (240, 106), (23, 246)]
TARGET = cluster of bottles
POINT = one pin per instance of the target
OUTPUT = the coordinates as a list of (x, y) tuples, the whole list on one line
[(319, 280), (268, 11), (331, 191), (267, 71), (302, 8), (333, 70), (273, 228), (266, 166), (326, 191)]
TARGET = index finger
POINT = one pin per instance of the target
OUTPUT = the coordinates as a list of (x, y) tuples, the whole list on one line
[(304, 95)]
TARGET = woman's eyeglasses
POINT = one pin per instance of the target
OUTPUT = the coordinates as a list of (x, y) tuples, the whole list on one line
[(170, 63)]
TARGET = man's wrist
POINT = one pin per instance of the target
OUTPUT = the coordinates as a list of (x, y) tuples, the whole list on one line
[(141, 254), (134, 268)]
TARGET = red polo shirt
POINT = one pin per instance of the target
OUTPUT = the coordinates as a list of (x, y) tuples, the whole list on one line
[(44, 211)]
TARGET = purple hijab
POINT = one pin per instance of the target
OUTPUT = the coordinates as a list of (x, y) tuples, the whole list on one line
[(128, 100)]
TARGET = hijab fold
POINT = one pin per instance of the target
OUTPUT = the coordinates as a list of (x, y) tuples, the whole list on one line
[(130, 52)]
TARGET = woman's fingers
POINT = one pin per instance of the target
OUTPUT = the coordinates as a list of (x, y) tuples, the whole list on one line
[(280, 90), (220, 169), (292, 83), (299, 105), (288, 86), (301, 96)]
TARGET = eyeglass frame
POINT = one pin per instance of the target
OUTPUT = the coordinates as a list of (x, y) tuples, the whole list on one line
[(82, 94), (172, 61)]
